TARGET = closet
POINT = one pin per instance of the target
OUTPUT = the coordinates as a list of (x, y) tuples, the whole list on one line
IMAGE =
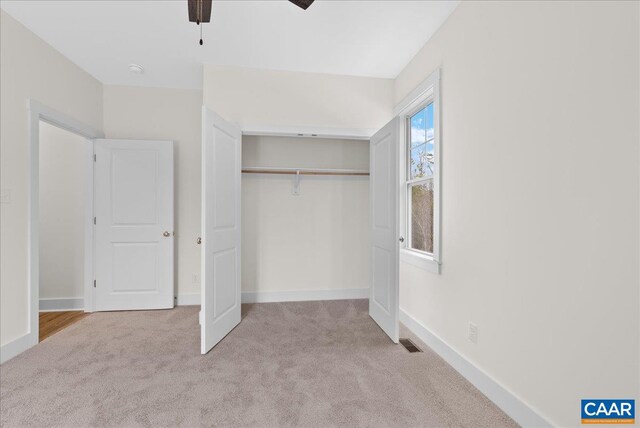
[(305, 218)]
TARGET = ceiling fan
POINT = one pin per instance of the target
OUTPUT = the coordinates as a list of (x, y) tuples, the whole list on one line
[(200, 10)]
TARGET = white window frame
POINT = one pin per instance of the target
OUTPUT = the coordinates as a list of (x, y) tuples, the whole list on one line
[(427, 92)]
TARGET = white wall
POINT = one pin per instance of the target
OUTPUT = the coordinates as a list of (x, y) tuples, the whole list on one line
[(167, 114), (317, 240), (29, 68), (290, 99), (62, 210), (540, 126)]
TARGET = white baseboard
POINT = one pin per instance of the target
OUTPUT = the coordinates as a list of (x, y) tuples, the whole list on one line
[(511, 404), (62, 304), (75, 304), (17, 346), (285, 296), (188, 299), (302, 296)]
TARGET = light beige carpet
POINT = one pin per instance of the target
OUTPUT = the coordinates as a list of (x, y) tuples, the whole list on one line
[(287, 364)]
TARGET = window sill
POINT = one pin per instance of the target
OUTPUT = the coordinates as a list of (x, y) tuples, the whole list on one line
[(419, 260)]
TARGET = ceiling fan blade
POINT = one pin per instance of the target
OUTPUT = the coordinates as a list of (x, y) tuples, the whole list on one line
[(302, 3), (194, 5)]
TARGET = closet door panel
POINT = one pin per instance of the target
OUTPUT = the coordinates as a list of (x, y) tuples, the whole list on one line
[(221, 155), (384, 251)]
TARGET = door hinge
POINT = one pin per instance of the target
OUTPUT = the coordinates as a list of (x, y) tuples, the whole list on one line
[(94, 158), (94, 283), (94, 220)]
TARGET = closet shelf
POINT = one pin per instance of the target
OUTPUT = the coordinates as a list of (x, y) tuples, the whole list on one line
[(303, 171)]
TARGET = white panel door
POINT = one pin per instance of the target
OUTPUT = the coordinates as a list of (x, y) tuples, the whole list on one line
[(384, 182), (134, 224), (221, 155)]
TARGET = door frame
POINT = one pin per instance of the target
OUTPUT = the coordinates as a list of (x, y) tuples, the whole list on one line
[(37, 112)]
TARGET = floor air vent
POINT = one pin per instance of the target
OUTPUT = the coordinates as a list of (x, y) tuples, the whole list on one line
[(409, 345)]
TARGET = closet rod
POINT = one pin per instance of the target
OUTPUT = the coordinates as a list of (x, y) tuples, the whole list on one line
[(304, 171)]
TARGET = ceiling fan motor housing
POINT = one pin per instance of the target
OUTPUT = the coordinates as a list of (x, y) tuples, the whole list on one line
[(200, 11)]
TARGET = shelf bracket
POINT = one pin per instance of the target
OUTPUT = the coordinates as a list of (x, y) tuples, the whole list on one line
[(296, 184)]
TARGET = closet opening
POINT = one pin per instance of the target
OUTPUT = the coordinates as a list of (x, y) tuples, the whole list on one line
[(305, 218)]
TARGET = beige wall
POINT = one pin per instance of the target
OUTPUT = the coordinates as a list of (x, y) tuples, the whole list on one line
[(29, 68), (290, 99), (167, 114), (63, 157), (540, 125), (317, 240), (304, 152)]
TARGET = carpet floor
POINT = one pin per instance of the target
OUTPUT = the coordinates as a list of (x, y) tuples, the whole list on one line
[(312, 364)]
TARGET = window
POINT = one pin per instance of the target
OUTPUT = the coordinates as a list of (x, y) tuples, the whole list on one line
[(420, 180), (420, 173)]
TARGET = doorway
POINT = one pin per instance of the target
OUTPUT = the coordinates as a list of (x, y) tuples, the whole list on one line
[(63, 207), (38, 113), (143, 173)]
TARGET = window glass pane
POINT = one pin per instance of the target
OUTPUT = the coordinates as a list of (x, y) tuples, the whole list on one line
[(418, 128), (429, 122), (421, 143), (419, 161), (422, 217)]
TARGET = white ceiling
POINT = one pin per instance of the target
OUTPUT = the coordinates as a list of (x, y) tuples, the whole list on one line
[(361, 38)]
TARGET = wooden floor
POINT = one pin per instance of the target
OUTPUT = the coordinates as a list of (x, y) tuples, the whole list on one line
[(53, 322)]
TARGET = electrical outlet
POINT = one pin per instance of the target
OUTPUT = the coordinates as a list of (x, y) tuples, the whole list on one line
[(196, 278), (473, 332), (5, 196)]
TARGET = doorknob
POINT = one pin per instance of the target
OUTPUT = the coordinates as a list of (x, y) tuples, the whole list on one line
[(199, 241), (166, 234), (401, 239)]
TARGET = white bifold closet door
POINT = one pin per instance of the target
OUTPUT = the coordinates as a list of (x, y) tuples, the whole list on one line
[(134, 225), (221, 175), (384, 186)]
